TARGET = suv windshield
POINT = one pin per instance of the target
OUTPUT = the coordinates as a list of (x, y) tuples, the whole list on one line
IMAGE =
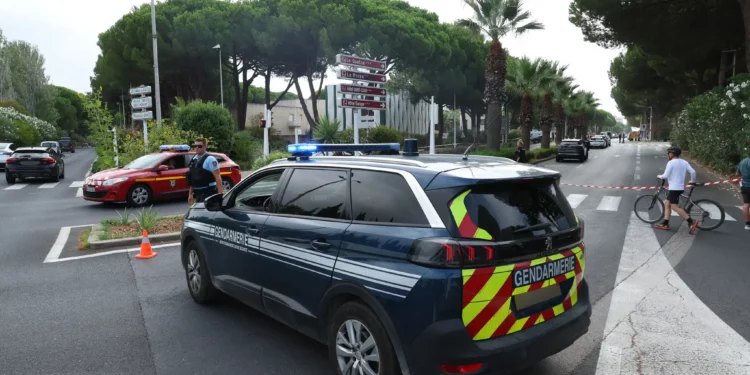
[(515, 210), (146, 161)]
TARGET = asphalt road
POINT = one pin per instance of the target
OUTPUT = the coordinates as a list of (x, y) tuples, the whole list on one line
[(663, 301)]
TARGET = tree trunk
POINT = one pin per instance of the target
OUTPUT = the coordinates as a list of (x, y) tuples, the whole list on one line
[(441, 125), (494, 93), (527, 116), (546, 119), (464, 126), (745, 10)]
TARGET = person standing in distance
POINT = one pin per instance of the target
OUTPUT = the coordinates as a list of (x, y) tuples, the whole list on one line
[(675, 176), (204, 177), (744, 170)]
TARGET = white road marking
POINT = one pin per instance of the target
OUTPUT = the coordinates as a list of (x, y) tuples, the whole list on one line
[(16, 187), (656, 324), (172, 244), (575, 199), (609, 203), (48, 185), (77, 184)]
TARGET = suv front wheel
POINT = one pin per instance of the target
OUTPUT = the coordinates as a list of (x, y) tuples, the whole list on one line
[(358, 343)]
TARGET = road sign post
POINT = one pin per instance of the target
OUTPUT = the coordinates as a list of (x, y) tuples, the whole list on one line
[(363, 89), (142, 102)]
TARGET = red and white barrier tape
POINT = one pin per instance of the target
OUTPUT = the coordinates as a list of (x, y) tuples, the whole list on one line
[(649, 187)]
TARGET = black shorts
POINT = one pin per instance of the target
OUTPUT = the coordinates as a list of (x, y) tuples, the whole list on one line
[(745, 191), (674, 196)]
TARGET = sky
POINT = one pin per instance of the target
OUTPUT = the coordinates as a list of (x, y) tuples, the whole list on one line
[(67, 36)]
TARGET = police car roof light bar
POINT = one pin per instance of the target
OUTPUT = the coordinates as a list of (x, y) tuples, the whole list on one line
[(306, 149), (174, 148)]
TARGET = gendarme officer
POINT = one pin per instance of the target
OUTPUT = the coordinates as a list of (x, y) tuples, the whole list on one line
[(203, 177)]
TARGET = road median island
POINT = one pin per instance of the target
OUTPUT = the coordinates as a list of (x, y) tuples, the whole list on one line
[(127, 231)]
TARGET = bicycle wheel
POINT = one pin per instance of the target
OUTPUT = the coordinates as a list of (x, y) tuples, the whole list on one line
[(710, 213), (649, 208)]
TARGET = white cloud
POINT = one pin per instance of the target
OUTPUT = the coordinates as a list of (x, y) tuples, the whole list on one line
[(67, 36)]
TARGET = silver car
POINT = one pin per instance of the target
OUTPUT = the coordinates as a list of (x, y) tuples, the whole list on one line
[(6, 149)]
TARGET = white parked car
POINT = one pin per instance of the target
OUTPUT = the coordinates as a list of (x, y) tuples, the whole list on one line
[(598, 141), (6, 149)]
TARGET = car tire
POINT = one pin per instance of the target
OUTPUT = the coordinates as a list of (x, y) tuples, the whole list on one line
[(227, 182), (345, 320), (139, 195), (198, 278), (9, 178)]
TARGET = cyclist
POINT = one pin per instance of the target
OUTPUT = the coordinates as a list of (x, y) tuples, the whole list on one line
[(675, 176)]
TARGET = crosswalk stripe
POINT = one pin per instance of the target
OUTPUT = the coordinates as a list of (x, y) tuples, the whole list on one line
[(48, 185), (76, 184), (575, 199), (16, 187), (609, 203)]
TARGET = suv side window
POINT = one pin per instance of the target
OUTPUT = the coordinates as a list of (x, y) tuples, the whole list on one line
[(320, 193), (254, 196), (382, 197)]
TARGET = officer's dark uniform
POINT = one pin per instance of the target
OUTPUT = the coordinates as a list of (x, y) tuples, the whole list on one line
[(201, 178)]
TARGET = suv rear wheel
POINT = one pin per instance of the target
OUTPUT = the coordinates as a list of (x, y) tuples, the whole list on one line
[(357, 340)]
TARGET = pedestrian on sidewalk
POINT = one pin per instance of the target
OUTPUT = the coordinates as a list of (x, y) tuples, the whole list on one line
[(675, 176), (520, 155), (744, 170), (204, 177)]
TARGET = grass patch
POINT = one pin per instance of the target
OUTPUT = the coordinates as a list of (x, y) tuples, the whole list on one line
[(83, 239)]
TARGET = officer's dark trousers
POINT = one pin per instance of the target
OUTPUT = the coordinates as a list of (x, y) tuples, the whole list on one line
[(201, 194)]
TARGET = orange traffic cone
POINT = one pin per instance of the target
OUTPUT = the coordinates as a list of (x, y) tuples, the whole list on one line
[(146, 251)]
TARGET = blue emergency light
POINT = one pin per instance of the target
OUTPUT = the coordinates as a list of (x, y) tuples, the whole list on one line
[(307, 149), (174, 148)]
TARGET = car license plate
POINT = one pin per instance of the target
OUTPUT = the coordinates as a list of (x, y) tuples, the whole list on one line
[(90, 189)]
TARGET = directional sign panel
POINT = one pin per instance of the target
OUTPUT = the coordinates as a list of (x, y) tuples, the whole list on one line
[(360, 90), (358, 76), (145, 102), (140, 90), (148, 115), (360, 62), (356, 103)]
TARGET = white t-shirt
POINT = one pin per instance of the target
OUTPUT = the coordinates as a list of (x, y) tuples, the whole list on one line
[(675, 174)]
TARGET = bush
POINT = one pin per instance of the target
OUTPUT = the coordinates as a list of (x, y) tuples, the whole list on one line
[(263, 161), (28, 135), (384, 134), (211, 120)]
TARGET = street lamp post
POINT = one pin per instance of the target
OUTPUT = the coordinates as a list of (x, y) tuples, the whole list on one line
[(221, 75), (156, 65)]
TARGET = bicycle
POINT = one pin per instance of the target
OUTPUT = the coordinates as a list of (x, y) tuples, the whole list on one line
[(710, 213)]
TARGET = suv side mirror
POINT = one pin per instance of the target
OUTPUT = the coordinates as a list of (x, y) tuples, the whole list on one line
[(213, 203)]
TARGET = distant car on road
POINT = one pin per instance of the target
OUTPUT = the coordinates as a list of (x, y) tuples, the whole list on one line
[(6, 149), (67, 145), (572, 149), (598, 141), (53, 145), (393, 261), (160, 175), (34, 162)]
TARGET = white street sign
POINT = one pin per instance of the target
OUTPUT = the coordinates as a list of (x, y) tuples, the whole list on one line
[(148, 115), (140, 90), (145, 102)]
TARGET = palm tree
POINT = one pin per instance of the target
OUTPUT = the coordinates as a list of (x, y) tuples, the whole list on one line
[(497, 18), (562, 92), (527, 78)]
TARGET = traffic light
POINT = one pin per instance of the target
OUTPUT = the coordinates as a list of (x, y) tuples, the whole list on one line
[(262, 124)]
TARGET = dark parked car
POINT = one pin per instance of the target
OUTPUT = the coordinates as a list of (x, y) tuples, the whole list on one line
[(401, 263), (34, 162), (573, 149), (67, 145)]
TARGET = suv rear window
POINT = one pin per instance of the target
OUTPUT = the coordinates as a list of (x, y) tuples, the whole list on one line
[(513, 211)]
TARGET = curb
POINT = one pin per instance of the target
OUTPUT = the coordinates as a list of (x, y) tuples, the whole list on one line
[(96, 244)]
